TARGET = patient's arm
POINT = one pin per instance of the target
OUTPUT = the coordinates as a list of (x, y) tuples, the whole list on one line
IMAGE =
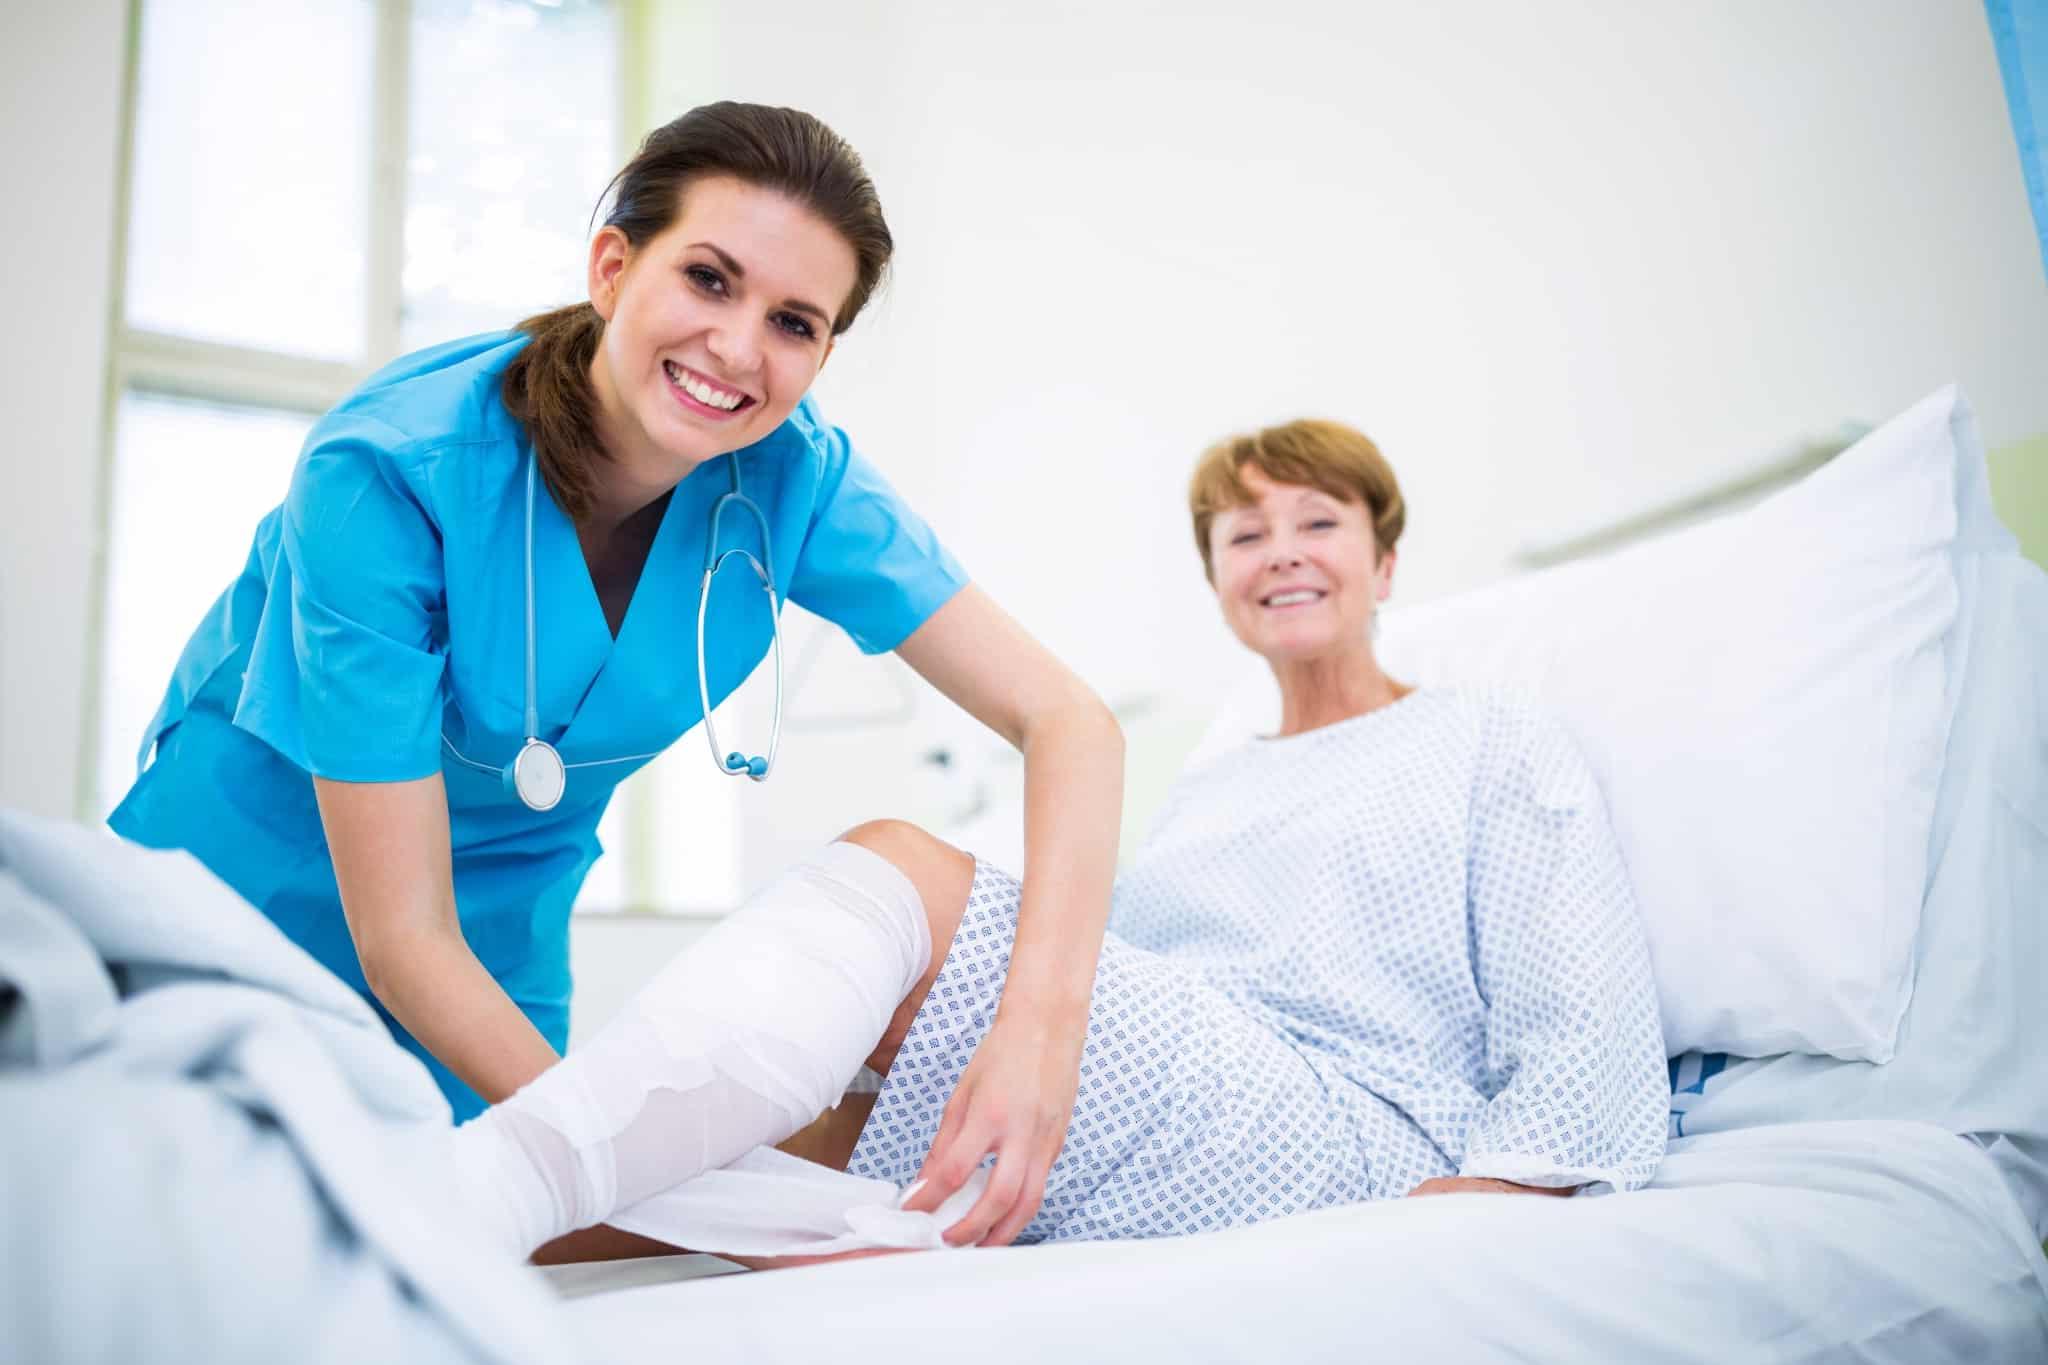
[(1465, 1184), (1576, 1087)]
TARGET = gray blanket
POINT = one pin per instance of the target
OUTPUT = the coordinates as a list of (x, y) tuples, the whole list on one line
[(210, 1148)]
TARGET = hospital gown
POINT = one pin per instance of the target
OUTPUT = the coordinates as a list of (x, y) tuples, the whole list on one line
[(1344, 962)]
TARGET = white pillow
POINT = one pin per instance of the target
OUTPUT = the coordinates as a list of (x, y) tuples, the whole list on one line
[(1764, 699)]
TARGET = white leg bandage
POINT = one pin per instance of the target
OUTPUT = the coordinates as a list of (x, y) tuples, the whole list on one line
[(740, 1041)]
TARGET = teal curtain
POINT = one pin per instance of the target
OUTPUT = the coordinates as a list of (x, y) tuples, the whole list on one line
[(2019, 28)]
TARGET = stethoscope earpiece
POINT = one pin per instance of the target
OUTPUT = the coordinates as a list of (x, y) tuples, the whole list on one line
[(739, 764)]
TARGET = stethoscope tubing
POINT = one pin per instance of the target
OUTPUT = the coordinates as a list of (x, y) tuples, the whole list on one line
[(732, 765)]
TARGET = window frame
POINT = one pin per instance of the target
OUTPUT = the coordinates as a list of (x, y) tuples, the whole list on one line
[(162, 364)]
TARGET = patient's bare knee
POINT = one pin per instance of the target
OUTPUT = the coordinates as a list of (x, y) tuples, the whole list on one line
[(943, 875)]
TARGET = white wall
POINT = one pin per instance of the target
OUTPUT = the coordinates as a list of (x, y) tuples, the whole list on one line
[(1561, 260), (60, 97)]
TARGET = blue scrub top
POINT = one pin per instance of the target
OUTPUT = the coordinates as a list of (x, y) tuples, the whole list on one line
[(383, 605)]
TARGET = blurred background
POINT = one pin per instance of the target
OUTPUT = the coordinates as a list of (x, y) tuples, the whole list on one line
[(1568, 264)]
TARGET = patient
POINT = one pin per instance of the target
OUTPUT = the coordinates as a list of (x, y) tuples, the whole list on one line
[(1389, 950)]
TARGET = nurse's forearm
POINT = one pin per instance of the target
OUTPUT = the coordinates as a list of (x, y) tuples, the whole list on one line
[(1073, 792), (435, 986), (392, 864), (973, 652)]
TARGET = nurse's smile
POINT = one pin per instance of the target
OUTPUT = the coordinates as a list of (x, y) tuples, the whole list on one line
[(700, 394)]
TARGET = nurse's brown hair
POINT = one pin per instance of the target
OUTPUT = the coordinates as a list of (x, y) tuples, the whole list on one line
[(1327, 456), (547, 385)]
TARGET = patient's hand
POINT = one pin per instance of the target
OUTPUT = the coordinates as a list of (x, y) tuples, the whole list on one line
[(1460, 1184)]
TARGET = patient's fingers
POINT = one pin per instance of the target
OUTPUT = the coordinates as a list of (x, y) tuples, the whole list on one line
[(998, 1199), (943, 1172), (1028, 1199)]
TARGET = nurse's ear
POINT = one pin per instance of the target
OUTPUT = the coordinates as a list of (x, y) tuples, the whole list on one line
[(609, 252)]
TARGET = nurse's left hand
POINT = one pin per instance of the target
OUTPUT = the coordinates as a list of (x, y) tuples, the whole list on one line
[(1014, 1100)]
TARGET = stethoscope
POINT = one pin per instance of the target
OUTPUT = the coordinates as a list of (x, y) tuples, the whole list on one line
[(537, 775)]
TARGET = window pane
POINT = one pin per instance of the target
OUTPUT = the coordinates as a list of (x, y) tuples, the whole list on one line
[(514, 134), (694, 854), (191, 480), (608, 885), (250, 215), (671, 835)]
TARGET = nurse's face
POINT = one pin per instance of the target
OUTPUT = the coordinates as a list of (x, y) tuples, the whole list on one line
[(716, 327), (1295, 571)]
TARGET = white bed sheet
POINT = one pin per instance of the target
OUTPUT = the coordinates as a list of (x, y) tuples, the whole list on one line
[(1854, 1240)]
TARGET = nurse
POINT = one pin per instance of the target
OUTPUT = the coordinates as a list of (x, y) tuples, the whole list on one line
[(516, 525)]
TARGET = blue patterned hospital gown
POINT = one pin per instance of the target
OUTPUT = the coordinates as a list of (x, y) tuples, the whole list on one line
[(1343, 962)]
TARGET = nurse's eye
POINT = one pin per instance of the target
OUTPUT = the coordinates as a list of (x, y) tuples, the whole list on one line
[(705, 278), (1244, 537), (796, 325), (1323, 524)]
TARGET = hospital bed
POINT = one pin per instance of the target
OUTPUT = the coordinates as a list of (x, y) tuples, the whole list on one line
[(1810, 1207)]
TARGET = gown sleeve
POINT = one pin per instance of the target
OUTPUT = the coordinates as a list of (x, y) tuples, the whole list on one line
[(356, 695), (1576, 1079), (868, 563)]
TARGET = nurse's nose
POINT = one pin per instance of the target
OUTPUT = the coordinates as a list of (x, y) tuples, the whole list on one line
[(737, 348)]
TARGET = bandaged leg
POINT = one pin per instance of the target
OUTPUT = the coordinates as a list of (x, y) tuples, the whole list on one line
[(738, 1042)]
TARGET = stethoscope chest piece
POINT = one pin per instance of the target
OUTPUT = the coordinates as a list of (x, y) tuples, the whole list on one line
[(536, 776)]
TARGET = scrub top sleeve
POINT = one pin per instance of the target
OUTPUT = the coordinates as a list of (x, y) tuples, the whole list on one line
[(868, 562), (366, 583)]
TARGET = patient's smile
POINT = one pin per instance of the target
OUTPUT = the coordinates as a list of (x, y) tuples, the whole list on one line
[(1293, 597)]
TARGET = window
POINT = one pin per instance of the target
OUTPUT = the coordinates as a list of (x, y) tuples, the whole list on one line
[(313, 189), (510, 140), (251, 183), (173, 543)]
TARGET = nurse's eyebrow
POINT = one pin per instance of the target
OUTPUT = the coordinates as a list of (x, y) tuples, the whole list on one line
[(739, 272)]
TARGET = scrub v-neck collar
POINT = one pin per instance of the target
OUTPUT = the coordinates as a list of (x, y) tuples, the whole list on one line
[(582, 644), (645, 531)]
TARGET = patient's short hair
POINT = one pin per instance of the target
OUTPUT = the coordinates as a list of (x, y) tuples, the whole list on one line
[(1329, 456)]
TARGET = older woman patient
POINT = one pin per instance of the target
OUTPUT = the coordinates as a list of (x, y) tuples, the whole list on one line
[(1388, 950)]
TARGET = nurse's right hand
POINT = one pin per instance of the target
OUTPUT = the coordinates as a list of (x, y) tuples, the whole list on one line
[(390, 845)]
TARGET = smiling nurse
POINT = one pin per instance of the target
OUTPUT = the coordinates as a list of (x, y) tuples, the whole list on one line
[(337, 740)]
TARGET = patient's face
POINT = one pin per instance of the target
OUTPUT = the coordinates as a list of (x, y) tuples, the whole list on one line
[(1295, 571)]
